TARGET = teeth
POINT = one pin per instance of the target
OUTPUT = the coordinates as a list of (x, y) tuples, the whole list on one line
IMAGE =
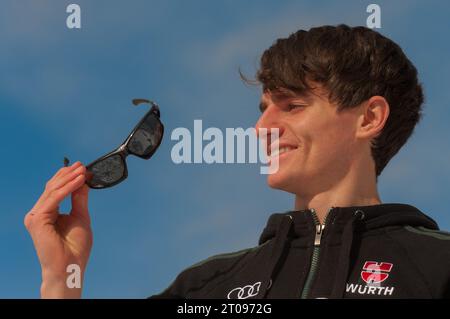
[(274, 153), (281, 150)]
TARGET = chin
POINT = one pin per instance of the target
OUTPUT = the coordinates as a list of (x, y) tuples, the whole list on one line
[(288, 181), (278, 180)]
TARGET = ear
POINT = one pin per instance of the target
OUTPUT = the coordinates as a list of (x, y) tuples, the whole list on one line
[(373, 117)]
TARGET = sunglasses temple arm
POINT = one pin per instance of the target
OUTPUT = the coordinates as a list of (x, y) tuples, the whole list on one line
[(140, 101)]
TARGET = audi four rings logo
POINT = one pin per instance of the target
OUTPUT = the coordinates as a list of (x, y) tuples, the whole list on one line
[(244, 292)]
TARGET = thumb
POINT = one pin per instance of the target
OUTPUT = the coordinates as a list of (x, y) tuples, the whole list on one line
[(80, 205)]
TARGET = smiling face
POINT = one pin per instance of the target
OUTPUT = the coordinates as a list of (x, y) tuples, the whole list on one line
[(317, 144)]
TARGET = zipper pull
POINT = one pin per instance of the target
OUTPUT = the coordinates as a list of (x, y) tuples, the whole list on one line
[(319, 231)]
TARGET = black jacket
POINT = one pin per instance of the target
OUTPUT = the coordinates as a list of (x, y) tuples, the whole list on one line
[(379, 251)]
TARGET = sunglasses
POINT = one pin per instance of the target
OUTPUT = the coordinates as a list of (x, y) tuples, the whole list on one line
[(143, 141)]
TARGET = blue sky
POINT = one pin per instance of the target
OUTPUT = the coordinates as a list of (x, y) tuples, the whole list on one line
[(67, 93)]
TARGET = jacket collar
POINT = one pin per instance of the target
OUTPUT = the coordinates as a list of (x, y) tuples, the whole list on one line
[(371, 217)]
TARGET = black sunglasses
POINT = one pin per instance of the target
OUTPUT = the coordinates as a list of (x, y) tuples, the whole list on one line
[(143, 141)]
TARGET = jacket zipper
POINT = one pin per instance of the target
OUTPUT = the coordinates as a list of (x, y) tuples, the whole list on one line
[(316, 251)]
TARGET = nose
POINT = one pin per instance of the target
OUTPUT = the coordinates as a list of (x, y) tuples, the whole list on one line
[(270, 119)]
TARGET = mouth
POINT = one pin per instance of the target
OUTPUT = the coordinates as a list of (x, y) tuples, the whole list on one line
[(281, 150)]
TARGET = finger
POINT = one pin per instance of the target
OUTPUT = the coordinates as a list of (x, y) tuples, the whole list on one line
[(63, 171), (89, 175), (80, 201), (27, 220), (58, 182), (50, 203), (64, 179), (67, 169)]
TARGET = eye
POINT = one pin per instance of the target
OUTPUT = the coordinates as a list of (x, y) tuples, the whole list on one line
[(262, 107), (295, 106)]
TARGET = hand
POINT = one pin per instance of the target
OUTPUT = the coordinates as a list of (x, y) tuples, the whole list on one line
[(61, 240)]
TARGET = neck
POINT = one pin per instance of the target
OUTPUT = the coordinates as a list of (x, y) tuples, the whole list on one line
[(355, 189)]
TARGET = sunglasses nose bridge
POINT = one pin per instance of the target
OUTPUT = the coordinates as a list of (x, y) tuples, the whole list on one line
[(123, 149)]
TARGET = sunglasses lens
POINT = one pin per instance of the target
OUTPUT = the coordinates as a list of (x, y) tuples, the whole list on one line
[(106, 172), (147, 137)]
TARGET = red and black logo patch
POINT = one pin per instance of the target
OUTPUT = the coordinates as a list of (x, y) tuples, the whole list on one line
[(375, 272)]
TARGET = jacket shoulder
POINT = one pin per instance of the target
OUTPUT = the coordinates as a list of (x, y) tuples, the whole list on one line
[(430, 233), (427, 250), (424, 244), (195, 277)]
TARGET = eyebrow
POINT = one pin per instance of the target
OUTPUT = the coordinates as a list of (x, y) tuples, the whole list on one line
[(278, 96)]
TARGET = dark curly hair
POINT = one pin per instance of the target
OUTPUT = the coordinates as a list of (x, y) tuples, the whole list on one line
[(352, 64)]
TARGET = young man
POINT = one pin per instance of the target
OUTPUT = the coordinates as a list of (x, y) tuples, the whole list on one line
[(345, 100)]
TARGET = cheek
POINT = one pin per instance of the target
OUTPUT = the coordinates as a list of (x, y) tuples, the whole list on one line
[(332, 142)]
